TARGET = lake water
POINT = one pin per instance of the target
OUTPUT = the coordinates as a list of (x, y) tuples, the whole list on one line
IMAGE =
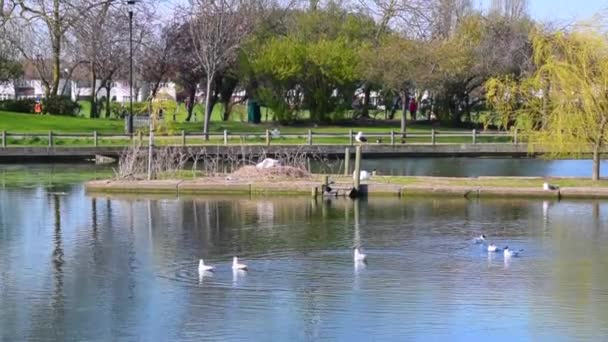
[(79, 268), (474, 167)]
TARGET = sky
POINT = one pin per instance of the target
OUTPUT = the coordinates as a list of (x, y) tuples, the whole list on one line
[(563, 10)]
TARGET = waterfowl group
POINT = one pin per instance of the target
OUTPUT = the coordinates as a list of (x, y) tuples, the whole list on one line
[(508, 253), (359, 257), (236, 266)]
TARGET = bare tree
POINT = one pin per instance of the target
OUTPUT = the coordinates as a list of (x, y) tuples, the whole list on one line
[(53, 19), (511, 9), (94, 35), (217, 29), (410, 17), (158, 56), (447, 14)]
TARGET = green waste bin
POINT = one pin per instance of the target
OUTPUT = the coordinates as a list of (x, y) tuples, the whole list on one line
[(254, 114)]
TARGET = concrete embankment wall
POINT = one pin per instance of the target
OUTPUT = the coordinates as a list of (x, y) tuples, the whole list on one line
[(311, 188)]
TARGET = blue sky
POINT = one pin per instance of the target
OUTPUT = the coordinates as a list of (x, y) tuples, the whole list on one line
[(563, 9)]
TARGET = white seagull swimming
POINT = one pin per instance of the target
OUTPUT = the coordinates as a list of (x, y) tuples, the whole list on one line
[(358, 256), (509, 253), (492, 247), (204, 268), (481, 238), (236, 266)]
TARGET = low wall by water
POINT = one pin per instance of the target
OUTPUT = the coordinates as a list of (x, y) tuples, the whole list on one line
[(314, 189)]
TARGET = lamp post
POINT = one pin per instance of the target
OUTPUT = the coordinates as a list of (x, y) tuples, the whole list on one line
[(131, 6)]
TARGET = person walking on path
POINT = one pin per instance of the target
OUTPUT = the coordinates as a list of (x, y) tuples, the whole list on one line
[(413, 108)]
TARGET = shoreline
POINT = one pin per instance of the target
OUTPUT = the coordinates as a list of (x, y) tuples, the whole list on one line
[(387, 186)]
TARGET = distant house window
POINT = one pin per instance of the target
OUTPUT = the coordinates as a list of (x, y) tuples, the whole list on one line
[(4, 97)]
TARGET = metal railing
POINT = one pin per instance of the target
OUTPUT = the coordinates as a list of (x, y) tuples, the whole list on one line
[(309, 137)]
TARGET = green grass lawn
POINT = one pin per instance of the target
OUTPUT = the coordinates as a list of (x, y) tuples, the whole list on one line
[(42, 124), (31, 123)]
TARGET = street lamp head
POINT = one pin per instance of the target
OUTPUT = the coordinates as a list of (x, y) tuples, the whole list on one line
[(131, 5)]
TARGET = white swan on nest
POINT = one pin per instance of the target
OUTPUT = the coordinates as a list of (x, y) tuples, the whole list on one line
[(268, 163)]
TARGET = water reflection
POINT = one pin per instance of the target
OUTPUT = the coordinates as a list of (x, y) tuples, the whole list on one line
[(126, 269)]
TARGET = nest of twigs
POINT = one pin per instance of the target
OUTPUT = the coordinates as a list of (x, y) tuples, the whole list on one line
[(278, 172)]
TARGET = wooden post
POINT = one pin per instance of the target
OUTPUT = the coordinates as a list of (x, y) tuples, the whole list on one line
[(433, 139), (308, 165), (326, 180), (267, 137), (150, 154), (346, 161), (141, 137), (350, 137), (357, 175), (225, 137), (515, 137), (392, 137), (309, 137), (474, 136), (314, 192), (95, 140), (3, 139), (50, 138), (183, 137)]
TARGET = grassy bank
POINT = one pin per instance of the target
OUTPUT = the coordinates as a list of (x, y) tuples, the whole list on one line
[(42, 124)]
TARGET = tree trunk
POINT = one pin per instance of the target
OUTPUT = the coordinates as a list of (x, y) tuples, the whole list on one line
[(227, 110), (190, 108), (207, 109), (56, 43), (596, 163), (108, 103), (93, 113), (404, 103)]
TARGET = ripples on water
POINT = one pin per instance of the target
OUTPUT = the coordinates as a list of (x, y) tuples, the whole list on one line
[(79, 268)]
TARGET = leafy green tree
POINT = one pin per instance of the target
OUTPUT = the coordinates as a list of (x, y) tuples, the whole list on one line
[(563, 105)]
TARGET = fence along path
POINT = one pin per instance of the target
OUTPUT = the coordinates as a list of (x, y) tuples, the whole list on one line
[(309, 137)]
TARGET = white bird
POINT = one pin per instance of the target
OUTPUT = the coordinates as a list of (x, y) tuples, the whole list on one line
[(491, 247), (363, 175), (509, 253), (547, 186), (268, 163), (480, 239), (236, 266), (275, 133), (358, 256), (360, 138), (204, 268)]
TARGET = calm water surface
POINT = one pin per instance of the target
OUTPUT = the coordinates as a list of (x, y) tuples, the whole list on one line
[(475, 167), (80, 268)]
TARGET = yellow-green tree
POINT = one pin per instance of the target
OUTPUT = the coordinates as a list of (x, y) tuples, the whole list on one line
[(563, 106)]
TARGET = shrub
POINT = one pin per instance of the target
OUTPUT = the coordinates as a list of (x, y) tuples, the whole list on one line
[(60, 105), (20, 106), (118, 109)]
